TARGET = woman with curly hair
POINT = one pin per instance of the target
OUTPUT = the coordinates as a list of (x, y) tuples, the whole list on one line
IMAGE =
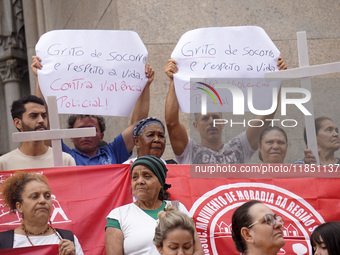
[(29, 194)]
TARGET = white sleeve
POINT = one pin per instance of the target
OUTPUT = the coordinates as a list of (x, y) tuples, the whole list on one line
[(79, 250), (185, 158), (247, 150)]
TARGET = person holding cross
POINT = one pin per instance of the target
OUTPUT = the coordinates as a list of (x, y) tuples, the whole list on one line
[(87, 150), (29, 114), (212, 150), (328, 141)]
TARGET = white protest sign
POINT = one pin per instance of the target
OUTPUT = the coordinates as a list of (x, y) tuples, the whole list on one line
[(239, 55), (92, 71)]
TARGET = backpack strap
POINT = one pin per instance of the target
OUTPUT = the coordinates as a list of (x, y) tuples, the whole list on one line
[(65, 234), (7, 239)]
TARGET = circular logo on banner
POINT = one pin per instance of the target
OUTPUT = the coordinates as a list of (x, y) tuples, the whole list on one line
[(213, 211)]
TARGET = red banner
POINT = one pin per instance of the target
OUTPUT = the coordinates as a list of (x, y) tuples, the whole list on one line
[(304, 203), (83, 197), (41, 250)]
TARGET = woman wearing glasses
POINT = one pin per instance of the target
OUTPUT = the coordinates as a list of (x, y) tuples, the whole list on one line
[(257, 230)]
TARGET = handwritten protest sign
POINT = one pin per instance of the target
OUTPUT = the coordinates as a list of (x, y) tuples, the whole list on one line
[(238, 56), (92, 71)]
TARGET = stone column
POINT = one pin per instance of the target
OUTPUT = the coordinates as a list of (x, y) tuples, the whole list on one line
[(11, 75), (13, 61)]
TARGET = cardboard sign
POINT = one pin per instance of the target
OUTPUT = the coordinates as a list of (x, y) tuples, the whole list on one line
[(92, 71), (237, 56)]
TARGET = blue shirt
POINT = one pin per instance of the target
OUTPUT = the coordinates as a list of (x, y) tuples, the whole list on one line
[(112, 153)]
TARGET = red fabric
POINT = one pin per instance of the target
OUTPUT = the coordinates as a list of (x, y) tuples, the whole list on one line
[(41, 250), (86, 194), (304, 204)]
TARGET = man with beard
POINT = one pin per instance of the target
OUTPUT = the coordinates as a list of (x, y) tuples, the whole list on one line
[(29, 114)]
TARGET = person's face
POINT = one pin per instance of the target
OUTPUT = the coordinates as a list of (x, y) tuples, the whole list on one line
[(204, 124), (273, 147), (320, 249), (178, 241), (328, 136), (145, 184), (34, 118), (36, 202), (87, 145), (263, 236), (151, 141)]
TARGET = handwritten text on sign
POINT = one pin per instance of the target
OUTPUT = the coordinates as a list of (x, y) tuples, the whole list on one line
[(92, 71), (239, 54)]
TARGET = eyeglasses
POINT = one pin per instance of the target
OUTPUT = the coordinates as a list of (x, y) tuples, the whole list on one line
[(269, 219)]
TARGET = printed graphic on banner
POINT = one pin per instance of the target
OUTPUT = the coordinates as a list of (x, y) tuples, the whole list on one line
[(214, 209), (89, 193)]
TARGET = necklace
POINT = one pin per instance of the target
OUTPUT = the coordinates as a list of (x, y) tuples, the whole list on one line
[(37, 234)]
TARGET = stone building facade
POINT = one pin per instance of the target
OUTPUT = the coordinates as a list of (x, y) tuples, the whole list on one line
[(160, 24)]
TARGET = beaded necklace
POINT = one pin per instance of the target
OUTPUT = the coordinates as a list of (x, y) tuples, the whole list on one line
[(37, 234)]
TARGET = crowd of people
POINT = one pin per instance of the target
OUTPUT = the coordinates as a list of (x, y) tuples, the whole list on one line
[(153, 224)]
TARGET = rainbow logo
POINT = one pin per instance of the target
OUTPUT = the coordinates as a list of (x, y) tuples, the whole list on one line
[(209, 93)]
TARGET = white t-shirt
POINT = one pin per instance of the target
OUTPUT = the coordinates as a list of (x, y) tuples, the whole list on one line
[(138, 228), (16, 160), (236, 151), (22, 241)]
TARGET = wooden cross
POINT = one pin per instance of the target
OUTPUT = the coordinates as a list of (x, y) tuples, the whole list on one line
[(55, 134), (305, 72)]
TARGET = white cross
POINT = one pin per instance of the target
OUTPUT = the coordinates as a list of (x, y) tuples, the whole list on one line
[(55, 134), (305, 72)]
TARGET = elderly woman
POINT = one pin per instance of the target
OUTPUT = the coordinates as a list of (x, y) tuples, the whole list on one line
[(273, 145), (130, 228), (149, 138), (29, 194), (175, 233), (327, 137), (257, 230), (325, 239)]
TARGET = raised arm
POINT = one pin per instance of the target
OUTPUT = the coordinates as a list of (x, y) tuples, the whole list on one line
[(177, 132), (253, 132), (36, 64), (141, 109)]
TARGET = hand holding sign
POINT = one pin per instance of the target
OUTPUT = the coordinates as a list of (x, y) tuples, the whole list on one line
[(93, 71)]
